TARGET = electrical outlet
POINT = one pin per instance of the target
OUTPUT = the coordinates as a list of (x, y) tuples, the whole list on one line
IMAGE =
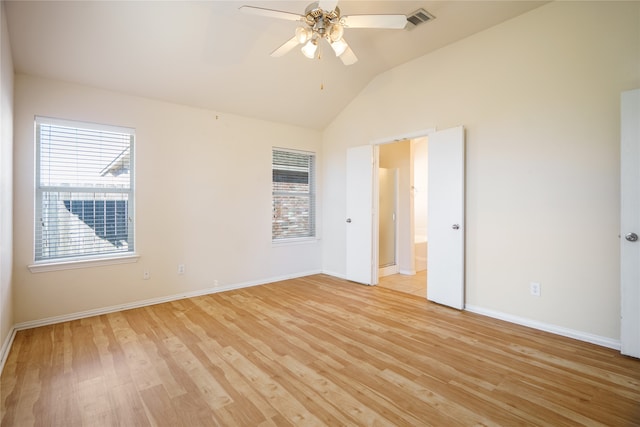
[(215, 283), (146, 275), (180, 268), (534, 288)]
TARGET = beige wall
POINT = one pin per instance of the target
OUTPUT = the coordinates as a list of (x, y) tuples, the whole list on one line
[(203, 198), (6, 181), (539, 96)]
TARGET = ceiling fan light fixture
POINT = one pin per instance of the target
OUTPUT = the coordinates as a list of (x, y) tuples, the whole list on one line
[(303, 34), (339, 46), (336, 32), (309, 49), (322, 19)]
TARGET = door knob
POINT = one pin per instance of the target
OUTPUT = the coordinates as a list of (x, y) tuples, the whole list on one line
[(455, 226), (349, 220), (632, 237)]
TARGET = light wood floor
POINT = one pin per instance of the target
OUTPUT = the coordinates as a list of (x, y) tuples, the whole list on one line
[(310, 351)]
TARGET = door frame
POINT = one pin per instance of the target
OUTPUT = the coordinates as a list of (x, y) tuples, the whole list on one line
[(391, 269), (376, 190)]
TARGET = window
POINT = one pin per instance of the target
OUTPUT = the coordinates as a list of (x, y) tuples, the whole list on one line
[(293, 186), (84, 190)]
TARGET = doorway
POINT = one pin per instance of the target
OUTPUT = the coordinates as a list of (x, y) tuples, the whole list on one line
[(402, 215), (445, 257)]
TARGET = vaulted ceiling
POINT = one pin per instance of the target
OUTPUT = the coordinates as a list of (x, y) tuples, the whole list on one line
[(208, 54)]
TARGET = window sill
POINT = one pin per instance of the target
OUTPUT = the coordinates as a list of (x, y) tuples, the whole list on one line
[(295, 241), (44, 267)]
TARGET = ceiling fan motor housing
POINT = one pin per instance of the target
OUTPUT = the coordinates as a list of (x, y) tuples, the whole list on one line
[(321, 21)]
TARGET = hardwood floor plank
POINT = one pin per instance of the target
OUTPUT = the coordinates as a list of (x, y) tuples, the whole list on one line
[(127, 407), (288, 405), (450, 411), (312, 398), (545, 405), (310, 351), (502, 411), (160, 406)]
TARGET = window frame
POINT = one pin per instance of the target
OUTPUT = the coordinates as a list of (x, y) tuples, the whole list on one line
[(312, 193), (80, 260)]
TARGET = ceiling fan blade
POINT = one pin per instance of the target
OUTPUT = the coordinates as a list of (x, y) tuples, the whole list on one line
[(270, 13), (327, 5), (285, 48), (394, 22), (348, 57)]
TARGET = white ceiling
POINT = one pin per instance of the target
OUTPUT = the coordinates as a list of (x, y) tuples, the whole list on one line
[(208, 54)]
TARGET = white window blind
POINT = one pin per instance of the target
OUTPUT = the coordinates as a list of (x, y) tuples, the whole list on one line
[(84, 190), (293, 185)]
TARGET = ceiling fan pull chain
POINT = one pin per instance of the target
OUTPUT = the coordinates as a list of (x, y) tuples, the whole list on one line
[(321, 70)]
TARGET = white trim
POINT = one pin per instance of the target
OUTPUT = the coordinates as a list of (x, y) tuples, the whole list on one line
[(293, 150), (294, 241), (82, 263), (554, 329), (89, 125), (6, 346), (402, 137), (334, 274), (407, 272), (143, 303), (388, 270)]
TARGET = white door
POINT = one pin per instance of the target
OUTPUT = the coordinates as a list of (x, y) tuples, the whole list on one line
[(445, 229), (359, 220), (630, 224)]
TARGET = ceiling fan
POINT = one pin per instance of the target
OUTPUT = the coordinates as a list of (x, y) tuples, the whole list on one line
[(322, 20)]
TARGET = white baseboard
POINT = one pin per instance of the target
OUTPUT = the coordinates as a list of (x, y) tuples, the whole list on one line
[(143, 303), (387, 271), (6, 345), (334, 274), (554, 329)]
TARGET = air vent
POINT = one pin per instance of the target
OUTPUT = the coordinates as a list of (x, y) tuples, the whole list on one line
[(418, 17)]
